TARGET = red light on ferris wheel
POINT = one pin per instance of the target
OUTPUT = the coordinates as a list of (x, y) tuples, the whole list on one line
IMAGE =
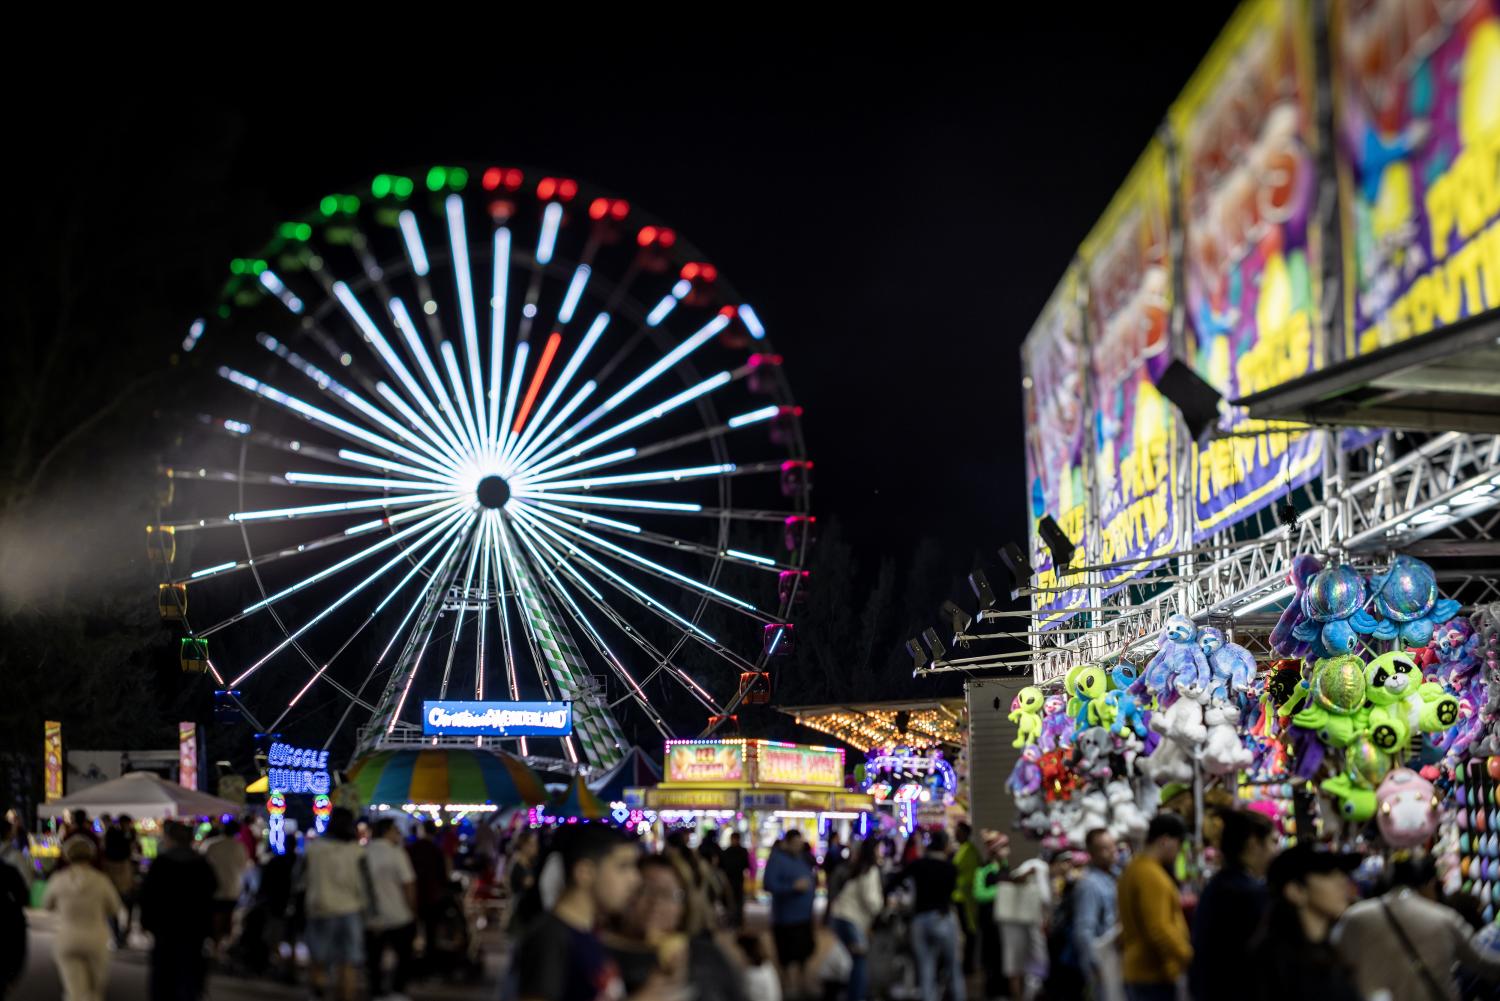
[(492, 179)]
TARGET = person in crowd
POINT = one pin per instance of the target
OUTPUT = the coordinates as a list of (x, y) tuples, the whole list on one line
[(560, 958), (227, 857), (1153, 931), (912, 850), (15, 848), (1095, 914), (664, 932), (336, 903), (761, 982), (80, 825), (248, 837), (986, 883), (520, 878), (853, 911), (716, 887), (1408, 943), (121, 851), (792, 882), (85, 900), (392, 921), (734, 862), (1291, 959), (835, 856), (15, 897), (177, 909), (966, 859), (1023, 897), (431, 867), (280, 922), (1231, 908), (934, 928)]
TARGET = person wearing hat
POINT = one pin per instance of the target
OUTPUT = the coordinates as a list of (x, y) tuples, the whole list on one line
[(1153, 931), (1408, 943), (85, 900), (986, 883), (1292, 957)]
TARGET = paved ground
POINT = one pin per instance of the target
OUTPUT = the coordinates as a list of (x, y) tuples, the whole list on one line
[(127, 977)]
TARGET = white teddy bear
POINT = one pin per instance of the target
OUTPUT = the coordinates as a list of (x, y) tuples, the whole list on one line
[(1168, 763), (1224, 753), (1095, 812), (1183, 721), (1127, 820)]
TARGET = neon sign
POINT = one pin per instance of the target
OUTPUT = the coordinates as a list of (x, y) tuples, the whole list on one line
[(298, 770), (497, 719)]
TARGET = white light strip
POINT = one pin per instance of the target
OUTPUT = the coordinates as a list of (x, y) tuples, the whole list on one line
[(456, 382), (344, 563), (413, 237), (585, 517), (524, 531), (394, 467), (448, 448), (577, 467), (545, 435), (498, 299), (1279, 594), (551, 219), (635, 558), (459, 240), (595, 331), (660, 310), (517, 370), (575, 292), (396, 519), (765, 560), (324, 417), (276, 287), (681, 351), (646, 416), (357, 481), (655, 476), (751, 321), (213, 570), (418, 349), (754, 416), (526, 515), (359, 505), (588, 500), (195, 331)]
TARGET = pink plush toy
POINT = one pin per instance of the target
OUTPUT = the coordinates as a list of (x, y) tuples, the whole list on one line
[(1407, 809)]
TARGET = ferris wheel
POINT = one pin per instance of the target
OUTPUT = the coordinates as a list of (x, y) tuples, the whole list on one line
[(483, 434)]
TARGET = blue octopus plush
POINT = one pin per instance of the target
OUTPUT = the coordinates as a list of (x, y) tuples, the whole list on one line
[(1178, 660), (1407, 602), (1333, 610), (1233, 666)]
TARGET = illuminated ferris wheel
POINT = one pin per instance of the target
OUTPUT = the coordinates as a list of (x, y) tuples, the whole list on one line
[(484, 434)]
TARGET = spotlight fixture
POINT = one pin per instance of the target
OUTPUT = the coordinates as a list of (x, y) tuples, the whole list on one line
[(934, 645), (1195, 399), (979, 583), (918, 655), (1018, 566), (961, 619), (1058, 544)]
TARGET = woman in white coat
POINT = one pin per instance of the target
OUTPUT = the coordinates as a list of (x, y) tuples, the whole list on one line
[(856, 905), (84, 900)]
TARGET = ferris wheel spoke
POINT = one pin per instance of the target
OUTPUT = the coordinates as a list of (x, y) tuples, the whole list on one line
[(351, 400), (575, 361), (529, 629), (445, 446), (313, 511), (415, 344), (324, 418), (562, 592), (498, 303), (540, 462), (347, 595), (455, 381), (520, 454), (472, 549), (626, 530), (676, 508), (448, 533), (517, 371), (328, 480), (458, 241), (717, 471), (486, 528), (348, 456)]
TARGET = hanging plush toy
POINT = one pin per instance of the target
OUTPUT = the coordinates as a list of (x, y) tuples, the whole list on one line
[(1232, 666), (1336, 700), (1183, 720), (1178, 658), (1403, 703), (1407, 809), (1126, 819), (1333, 609), (1026, 776), (1058, 780), (1282, 639), (1091, 750), (1026, 713), (1168, 763), (1123, 707), (1095, 811), (1057, 725), (1225, 752), (1355, 802), (1091, 683), (1406, 599)]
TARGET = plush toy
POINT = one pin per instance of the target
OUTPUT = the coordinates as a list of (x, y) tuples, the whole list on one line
[(1057, 725), (1057, 779), (1486, 622), (1282, 639), (1407, 601), (1403, 703), (1125, 713), (1126, 819), (1032, 816), (1026, 776), (1067, 823), (1407, 809), (1166, 764), (1178, 657), (1232, 666), (1355, 802), (1095, 811), (1091, 751), (1026, 713), (1183, 721), (1090, 683), (1224, 753), (1335, 707), (1334, 616)]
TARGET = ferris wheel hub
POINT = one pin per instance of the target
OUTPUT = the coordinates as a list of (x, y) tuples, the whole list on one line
[(492, 491)]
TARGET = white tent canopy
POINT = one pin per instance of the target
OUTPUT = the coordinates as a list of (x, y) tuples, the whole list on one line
[(141, 795)]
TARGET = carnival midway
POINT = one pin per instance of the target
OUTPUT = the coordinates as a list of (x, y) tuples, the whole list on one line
[(479, 473)]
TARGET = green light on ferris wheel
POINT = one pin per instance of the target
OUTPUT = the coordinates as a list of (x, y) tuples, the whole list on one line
[(436, 178), (329, 206), (402, 186), (381, 186)]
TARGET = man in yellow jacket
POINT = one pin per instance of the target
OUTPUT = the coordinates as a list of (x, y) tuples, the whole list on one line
[(1153, 931)]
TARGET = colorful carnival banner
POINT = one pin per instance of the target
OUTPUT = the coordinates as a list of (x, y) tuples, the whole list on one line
[(1246, 135), (705, 761), (187, 755), (1417, 105), (1128, 272), (1054, 366), (52, 760)]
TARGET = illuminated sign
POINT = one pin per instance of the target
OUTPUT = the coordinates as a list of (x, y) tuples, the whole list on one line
[(691, 799), (187, 755), (497, 719), (297, 770), (794, 765), (52, 758), (706, 762)]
